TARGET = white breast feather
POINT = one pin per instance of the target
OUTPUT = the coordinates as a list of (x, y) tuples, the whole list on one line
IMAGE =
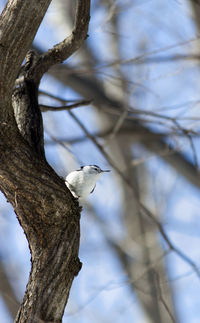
[(81, 184)]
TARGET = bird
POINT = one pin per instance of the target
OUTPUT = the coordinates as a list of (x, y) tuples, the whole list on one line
[(82, 182)]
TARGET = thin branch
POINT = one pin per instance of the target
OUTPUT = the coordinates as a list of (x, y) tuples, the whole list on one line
[(61, 143), (78, 104), (181, 254), (188, 135), (162, 153), (122, 252), (142, 57), (170, 58), (52, 96), (94, 140), (118, 124)]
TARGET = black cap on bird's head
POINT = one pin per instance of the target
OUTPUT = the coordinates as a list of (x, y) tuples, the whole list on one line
[(95, 168)]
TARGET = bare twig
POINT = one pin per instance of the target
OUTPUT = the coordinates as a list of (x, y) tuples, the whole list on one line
[(119, 123), (52, 96), (78, 104), (170, 58), (150, 53), (63, 144), (181, 254), (188, 135), (162, 153)]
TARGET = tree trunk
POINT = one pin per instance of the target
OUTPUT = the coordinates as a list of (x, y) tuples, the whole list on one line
[(44, 206), (50, 219)]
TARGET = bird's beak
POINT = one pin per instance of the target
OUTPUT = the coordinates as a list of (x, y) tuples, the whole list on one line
[(106, 171)]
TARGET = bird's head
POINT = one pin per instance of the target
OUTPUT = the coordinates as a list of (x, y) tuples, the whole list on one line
[(93, 169)]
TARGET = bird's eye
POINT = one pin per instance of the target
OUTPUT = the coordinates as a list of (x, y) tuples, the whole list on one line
[(95, 167)]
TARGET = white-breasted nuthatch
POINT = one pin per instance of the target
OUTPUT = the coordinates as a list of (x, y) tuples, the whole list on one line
[(82, 182)]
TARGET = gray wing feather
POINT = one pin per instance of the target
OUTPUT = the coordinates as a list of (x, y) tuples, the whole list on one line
[(93, 189), (71, 187)]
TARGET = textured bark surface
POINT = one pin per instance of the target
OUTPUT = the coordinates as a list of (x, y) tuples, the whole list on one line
[(45, 208), (28, 116), (19, 23), (50, 219)]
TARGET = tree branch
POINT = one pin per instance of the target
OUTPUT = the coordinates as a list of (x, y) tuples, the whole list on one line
[(78, 104), (69, 45), (19, 17)]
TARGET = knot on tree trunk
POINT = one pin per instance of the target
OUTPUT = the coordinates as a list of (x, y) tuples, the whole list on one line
[(75, 265)]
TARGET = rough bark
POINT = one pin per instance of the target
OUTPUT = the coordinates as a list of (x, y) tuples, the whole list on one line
[(44, 206), (28, 116), (18, 24), (50, 219)]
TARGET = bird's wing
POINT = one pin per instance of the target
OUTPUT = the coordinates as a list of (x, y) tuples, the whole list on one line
[(93, 189), (72, 189)]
